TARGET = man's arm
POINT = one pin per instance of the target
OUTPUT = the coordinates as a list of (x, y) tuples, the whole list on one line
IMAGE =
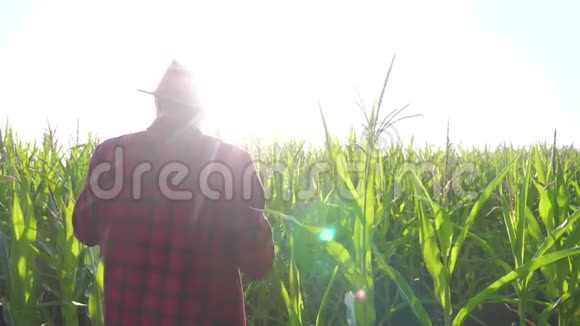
[(86, 224), (253, 245)]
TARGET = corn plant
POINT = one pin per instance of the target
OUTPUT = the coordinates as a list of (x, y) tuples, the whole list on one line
[(409, 234)]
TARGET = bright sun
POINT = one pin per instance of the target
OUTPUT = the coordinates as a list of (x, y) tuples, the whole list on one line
[(264, 75)]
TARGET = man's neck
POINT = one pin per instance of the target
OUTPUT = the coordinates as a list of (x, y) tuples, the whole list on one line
[(174, 123)]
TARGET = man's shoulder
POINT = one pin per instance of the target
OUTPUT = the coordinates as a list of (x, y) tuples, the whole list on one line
[(227, 150), (109, 144), (221, 150)]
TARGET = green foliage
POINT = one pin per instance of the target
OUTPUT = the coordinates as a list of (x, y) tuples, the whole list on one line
[(419, 236)]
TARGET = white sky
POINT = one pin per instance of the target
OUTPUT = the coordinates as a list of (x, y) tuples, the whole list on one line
[(262, 67)]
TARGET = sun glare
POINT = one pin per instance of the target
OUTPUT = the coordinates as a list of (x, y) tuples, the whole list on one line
[(321, 229), (327, 234), (262, 79)]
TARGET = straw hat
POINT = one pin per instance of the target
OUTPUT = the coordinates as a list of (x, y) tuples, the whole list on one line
[(176, 85)]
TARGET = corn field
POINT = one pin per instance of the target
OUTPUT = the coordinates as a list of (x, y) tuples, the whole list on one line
[(365, 233), (374, 236)]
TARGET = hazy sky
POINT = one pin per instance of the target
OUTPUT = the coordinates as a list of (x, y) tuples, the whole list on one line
[(497, 70)]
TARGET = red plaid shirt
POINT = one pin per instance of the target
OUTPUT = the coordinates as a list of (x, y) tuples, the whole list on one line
[(170, 261)]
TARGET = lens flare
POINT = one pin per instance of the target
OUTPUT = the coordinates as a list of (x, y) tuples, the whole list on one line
[(361, 294), (327, 234)]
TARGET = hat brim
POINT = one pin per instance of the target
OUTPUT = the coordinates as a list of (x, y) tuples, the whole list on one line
[(187, 104), (147, 92)]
